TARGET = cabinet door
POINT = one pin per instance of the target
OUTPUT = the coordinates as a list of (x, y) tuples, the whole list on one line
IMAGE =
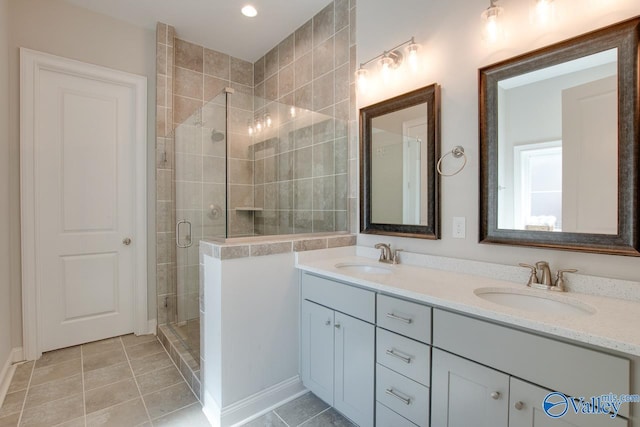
[(317, 350), (525, 410), (467, 394), (354, 369)]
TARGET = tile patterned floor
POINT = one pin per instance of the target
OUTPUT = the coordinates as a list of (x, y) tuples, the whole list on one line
[(119, 382), (127, 381), (305, 411)]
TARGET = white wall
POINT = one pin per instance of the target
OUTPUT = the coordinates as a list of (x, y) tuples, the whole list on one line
[(59, 28), (5, 291), (452, 51)]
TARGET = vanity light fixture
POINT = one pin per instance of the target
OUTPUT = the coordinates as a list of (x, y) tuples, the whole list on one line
[(492, 19), (249, 11), (389, 61)]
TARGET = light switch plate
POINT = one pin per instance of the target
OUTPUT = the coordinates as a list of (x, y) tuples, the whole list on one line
[(459, 227)]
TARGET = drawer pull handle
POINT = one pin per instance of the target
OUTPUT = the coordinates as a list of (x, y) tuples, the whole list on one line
[(391, 392), (327, 322), (519, 405), (400, 318), (495, 395), (405, 359)]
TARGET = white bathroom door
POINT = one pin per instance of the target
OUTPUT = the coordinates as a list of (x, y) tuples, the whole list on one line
[(87, 235)]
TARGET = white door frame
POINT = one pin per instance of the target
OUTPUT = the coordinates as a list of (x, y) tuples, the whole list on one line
[(31, 64)]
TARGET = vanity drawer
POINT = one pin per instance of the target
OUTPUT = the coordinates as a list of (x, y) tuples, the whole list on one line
[(404, 396), (403, 355), (406, 318), (347, 299), (385, 417)]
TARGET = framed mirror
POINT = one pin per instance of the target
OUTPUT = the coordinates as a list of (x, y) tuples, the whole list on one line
[(559, 144), (399, 147)]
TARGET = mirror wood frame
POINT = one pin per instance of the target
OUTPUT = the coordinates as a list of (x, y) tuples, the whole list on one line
[(429, 95), (624, 36)]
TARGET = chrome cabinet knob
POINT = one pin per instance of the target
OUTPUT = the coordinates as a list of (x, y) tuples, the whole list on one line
[(519, 405), (337, 325), (495, 395), (327, 323), (126, 241)]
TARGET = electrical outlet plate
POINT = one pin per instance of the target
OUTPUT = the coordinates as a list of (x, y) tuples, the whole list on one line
[(459, 227)]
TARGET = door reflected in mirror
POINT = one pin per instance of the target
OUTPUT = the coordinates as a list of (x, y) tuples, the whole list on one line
[(399, 180), (558, 147)]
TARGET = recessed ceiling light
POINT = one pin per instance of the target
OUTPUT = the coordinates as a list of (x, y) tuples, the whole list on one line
[(249, 11)]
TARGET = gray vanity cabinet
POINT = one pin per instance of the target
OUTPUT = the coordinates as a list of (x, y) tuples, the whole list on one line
[(467, 394), (483, 374), (337, 355)]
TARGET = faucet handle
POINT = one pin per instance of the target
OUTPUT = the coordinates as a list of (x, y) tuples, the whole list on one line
[(534, 276), (396, 256), (558, 286)]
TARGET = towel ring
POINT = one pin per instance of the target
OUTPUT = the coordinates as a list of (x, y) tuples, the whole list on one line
[(457, 152)]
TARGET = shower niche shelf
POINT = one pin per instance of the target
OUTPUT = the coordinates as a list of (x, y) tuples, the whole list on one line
[(248, 209)]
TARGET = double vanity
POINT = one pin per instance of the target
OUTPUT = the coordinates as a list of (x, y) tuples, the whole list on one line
[(404, 345)]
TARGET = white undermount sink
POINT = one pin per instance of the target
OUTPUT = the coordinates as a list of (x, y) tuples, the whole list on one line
[(358, 267), (540, 302)]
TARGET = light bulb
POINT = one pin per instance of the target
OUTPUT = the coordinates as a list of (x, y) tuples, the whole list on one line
[(292, 112), (258, 126), (413, 56), (249, 127), (492, 23), (361, 76), (267, 120), (387, 63)]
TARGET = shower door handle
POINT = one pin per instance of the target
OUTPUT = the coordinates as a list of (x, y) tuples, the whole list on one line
[(189, 241)]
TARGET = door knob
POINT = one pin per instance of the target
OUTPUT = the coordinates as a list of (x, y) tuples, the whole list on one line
[(127, 241)]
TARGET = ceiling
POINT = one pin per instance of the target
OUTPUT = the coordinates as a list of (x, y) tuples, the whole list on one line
[(216, 24)]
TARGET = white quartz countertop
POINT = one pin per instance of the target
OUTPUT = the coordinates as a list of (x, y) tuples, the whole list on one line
[(615, 325)]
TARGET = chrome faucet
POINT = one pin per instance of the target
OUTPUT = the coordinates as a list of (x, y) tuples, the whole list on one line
[(543, 267), (544, 282), (386, 254)]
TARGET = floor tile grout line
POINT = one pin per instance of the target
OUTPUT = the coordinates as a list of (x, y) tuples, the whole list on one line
[(144, 404), (26, 394), (84, 393), (174, 411), (315, 416), (179, 371), (278, 415)]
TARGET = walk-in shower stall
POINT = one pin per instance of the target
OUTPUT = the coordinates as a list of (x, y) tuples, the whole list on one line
[(248, 167)]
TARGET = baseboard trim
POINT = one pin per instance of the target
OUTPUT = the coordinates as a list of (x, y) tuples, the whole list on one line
[(6, 374), (261, 403), (17, 355), (211, 410), (152, 326)]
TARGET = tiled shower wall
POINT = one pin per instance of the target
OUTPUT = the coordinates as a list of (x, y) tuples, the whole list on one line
[(304, 177), (165, 194), (301, 174)]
